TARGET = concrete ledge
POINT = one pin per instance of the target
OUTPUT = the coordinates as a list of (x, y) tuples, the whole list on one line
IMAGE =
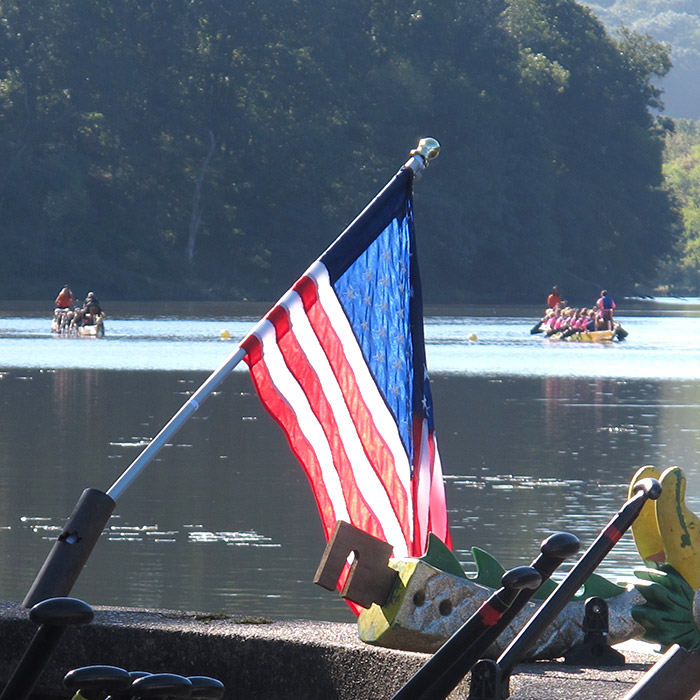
[(278, 660)]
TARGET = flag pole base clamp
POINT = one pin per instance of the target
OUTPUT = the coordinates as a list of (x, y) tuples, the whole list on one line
[(595, 650)]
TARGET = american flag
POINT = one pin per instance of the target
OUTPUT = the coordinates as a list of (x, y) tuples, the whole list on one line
[(339, 363)]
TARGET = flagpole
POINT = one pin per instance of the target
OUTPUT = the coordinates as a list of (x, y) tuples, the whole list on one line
[(426, 150), (175, 423), (91, 513)]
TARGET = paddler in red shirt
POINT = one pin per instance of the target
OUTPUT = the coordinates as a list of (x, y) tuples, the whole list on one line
[(554, 298), (65, 299)]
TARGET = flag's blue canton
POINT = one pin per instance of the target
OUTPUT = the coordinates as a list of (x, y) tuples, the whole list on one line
[(427, 401), (375, 292)]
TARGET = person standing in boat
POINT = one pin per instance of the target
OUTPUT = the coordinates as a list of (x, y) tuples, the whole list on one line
[(554, 299), (606, 304)]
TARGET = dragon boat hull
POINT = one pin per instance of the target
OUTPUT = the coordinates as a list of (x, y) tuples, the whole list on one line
[(587, 337), (93, 330)]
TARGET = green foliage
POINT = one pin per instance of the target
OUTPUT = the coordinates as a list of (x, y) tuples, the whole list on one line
[(676, 23), (682, 172), (212, 150)]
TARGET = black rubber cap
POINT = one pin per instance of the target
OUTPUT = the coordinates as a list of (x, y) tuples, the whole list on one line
[(205, 688), (162, 685), (109, 679), (61, 611)]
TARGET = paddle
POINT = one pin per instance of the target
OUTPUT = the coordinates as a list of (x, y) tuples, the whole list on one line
[(620, 332), (553, 552)]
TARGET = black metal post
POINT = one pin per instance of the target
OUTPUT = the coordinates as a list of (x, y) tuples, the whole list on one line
[(645, 489), (53, 616), (437, 678), (553, 552), (676, 676)]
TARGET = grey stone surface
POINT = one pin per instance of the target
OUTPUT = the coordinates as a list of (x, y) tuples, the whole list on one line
[(273, 660)]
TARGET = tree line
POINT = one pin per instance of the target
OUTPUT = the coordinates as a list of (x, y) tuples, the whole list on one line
[(681, 270), (200, 149), (677, 24)]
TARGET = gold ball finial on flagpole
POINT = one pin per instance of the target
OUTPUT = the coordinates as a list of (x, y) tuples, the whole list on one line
[(427, 148), (426, 151)]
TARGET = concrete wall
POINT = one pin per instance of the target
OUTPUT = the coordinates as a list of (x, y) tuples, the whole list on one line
[(280, 660), (255, 660)]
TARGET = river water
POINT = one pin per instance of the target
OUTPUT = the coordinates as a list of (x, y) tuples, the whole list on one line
[(535, 437)]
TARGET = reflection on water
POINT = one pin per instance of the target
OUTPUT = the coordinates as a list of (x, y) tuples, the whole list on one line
[(223, 519), (526, 457)]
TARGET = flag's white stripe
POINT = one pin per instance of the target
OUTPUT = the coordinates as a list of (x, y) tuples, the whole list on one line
[(289, 388), (372, 489), (382, 416)]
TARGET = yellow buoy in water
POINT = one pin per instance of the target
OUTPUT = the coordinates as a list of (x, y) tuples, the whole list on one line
[(225, 334), (473, 337)]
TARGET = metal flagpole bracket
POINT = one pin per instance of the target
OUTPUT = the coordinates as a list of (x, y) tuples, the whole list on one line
[(595, 649), (72, 547), (426, 150)]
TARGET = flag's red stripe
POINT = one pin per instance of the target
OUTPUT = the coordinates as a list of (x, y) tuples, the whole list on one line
[(419, 475), (437, 513), (378, 453), (428, 492), (279, 409), (361, 514)]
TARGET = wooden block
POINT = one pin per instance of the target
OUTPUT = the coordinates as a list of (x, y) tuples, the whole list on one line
[(370, 580)]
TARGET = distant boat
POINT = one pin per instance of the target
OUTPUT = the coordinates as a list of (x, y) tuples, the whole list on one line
[(603, 336), (62, 324)]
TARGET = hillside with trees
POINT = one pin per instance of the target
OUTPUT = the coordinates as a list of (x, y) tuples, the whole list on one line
[(211, 150), (676, 23), (682, 173)]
